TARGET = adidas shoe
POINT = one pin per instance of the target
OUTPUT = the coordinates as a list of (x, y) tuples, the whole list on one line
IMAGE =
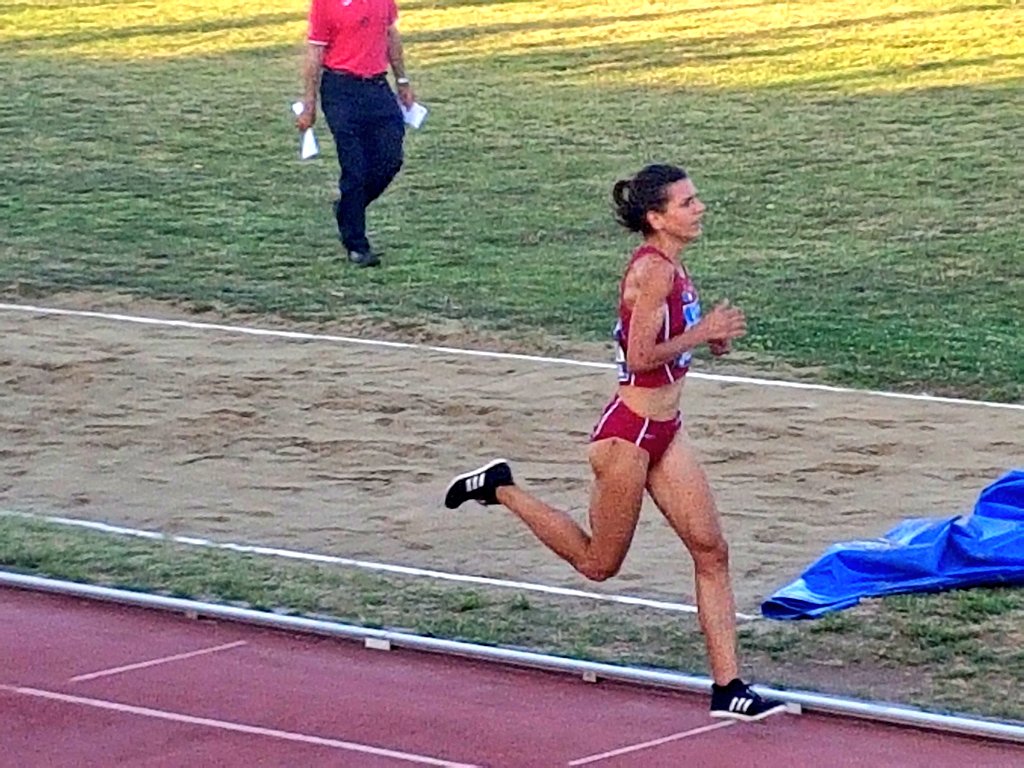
[(737, 702), (479, 485)]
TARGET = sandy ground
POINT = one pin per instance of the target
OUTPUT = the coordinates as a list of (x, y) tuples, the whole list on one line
[(346, 450)]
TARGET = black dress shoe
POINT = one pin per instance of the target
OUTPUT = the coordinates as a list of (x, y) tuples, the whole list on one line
[(364, 258)]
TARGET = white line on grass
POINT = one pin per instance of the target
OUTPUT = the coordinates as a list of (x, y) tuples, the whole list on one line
[(156, 662), (653, 743), (402, 570), (224, 725), (303, 336)]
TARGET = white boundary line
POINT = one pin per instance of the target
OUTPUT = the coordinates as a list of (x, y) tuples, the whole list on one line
[(155, 662), (303, 336), (653, 743), (224, 725), (403, 570)]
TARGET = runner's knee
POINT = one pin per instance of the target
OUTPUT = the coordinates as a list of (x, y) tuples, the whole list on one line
[(710, 555), (599, 569)]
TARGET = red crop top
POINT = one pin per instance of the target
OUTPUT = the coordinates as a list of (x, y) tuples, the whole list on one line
[(681, 311)]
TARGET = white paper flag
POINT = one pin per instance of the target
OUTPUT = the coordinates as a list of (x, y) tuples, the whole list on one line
[(414, 115), (308, 146)]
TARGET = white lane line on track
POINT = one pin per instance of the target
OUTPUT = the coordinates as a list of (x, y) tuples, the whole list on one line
[(156, 662), (403, 570), (224, 725), (304, 336), (650, 744)]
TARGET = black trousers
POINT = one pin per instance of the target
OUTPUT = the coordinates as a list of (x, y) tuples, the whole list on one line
[(368, 130)]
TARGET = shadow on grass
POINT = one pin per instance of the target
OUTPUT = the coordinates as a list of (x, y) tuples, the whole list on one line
[(760, 35), (79, 37), (667, 55), (418, 5)]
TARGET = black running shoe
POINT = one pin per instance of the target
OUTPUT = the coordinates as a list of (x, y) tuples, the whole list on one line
[(479, 485), (737, 702)]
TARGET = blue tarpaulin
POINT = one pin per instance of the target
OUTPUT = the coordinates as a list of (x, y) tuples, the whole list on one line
[(918, 555)]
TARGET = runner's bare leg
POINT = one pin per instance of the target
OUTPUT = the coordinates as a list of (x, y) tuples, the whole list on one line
[(620, 473), (681, 490)]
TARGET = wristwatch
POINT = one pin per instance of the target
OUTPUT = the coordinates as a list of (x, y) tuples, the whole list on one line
[(402, 80)]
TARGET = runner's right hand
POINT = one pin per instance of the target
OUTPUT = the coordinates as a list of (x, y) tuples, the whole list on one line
[(720, 347)]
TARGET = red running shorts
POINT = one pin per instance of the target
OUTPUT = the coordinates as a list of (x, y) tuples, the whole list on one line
[(653, 436)]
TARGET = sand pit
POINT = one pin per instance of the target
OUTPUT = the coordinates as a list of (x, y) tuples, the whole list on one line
[(346, 450)]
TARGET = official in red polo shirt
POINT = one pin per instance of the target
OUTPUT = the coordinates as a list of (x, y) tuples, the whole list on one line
[(351, 44)]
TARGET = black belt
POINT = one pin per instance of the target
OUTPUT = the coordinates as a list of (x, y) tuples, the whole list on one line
[(379, 78)]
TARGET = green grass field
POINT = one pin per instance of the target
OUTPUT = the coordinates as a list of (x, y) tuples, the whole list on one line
[(861, 161)]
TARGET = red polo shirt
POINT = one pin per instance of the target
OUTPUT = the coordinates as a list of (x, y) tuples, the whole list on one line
[(354, 33)]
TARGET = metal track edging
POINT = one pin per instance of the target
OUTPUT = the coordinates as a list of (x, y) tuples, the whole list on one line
[(865, 710)]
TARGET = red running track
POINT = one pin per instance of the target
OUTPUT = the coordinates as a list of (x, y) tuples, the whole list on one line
[(90, 684)]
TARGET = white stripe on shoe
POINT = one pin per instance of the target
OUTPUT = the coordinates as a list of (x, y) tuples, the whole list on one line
[(738, 707), (474, 479)]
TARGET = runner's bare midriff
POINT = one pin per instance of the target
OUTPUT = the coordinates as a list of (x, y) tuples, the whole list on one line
[(659, 403)]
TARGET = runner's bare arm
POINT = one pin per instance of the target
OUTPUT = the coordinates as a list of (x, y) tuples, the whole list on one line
[(649, 285)]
